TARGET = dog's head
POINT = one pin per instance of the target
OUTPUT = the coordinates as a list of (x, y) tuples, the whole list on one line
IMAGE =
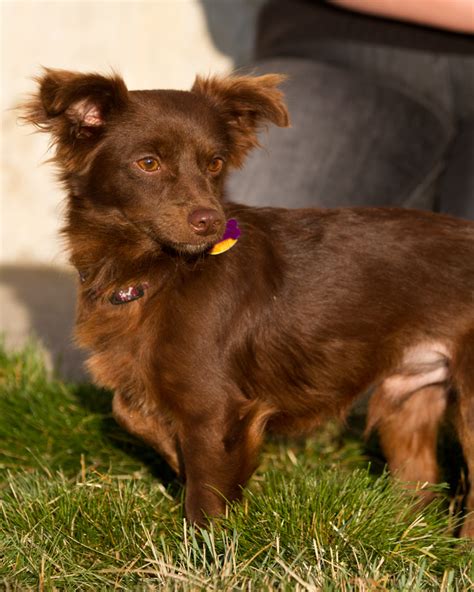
[(154, 159)]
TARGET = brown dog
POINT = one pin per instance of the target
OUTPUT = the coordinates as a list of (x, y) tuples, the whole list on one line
[(308, 310)]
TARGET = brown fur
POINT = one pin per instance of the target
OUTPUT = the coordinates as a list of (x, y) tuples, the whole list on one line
[(309, 309)]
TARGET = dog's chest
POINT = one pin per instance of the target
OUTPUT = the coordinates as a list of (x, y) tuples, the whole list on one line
[(119, 340)]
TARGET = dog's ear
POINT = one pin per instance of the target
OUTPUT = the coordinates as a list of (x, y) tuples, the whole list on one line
[(247, 103), (74, 108)]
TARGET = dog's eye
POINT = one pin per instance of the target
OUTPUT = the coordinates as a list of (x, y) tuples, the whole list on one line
[(148, 164), (215, 166)]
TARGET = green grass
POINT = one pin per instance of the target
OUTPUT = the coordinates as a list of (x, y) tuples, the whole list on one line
[(86, 507)]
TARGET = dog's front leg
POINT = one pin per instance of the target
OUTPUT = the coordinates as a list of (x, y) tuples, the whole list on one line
[(219, 456), (150, 426)]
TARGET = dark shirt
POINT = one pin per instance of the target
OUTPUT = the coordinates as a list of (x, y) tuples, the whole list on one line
[(286, 25)]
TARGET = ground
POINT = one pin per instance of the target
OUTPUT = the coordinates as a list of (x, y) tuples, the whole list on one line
[(86, 507)]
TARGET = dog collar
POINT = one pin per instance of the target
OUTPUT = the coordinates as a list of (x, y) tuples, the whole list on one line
[(124, 295), (229, 238)]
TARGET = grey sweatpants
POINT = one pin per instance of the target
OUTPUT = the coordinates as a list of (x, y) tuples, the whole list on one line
[(370, 126)]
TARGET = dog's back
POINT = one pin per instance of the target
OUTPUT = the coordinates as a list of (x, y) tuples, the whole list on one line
[(313, 307)]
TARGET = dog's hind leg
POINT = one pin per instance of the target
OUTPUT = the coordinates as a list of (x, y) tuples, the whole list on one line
[(463, 377), (408, 431), (149, 426)]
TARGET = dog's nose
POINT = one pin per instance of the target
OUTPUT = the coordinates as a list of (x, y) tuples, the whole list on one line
[(205, 221)]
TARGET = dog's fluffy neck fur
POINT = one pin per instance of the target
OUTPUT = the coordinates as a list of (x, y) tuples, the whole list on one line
[(115, 252)]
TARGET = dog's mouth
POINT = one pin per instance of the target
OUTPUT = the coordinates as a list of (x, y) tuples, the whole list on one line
[(179, 247), (197, 246), (228, 239), (184, 248)]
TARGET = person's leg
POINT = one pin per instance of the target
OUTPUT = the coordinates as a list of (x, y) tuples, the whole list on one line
[(352, 142), (456, 194)]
